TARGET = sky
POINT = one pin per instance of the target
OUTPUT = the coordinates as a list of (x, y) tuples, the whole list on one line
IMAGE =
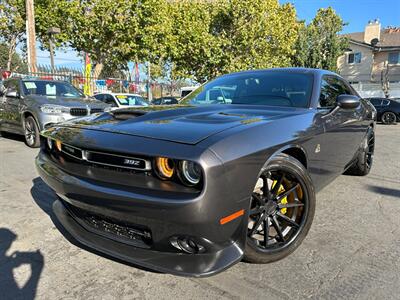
[(356, 13)]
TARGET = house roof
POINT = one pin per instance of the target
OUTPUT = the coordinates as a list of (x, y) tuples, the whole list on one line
[(390, 37)]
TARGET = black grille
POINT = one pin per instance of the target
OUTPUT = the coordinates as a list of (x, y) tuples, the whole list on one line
[(117, 160), (72, 151), (78, 111), (96, 110), (123, 232)]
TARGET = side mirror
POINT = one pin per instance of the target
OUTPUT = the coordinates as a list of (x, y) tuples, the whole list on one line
[(12, 94), (347, 101)]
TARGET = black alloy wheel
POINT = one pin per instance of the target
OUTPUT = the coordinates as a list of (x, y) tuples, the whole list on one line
[(369, 150), (365, 156), (31, 131), (389, 118), (281, 211)]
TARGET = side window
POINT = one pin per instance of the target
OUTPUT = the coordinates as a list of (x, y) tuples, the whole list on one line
[(376, 102), (99, 97), (110, 100), (330, 89), (11, 87), (345, 89)]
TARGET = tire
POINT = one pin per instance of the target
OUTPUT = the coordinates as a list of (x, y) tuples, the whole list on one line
[(389, 118), (365, 156), (31, 132), (300, 209)]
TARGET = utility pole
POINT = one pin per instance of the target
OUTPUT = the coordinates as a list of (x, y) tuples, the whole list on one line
[(31, 35), (52, 31), (149, 94)]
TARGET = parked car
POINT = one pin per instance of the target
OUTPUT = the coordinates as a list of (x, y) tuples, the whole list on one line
[(192, 189), (388, 109), (165, 101), (121, 100), (27, 106)]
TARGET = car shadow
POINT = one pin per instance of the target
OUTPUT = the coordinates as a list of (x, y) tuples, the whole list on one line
[(10, 287), (12, 136), (44, 197), (384, 191)]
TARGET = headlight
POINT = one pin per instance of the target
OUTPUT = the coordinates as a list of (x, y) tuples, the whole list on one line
[(190, 172), (54, 109), (50, 143), (165, 167)]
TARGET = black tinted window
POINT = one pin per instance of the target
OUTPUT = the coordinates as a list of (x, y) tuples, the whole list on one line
[(331, 87), (11, 86), (376, 102), (99, 97)]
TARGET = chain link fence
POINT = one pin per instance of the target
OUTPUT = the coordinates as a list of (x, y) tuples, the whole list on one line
[(123, 83)]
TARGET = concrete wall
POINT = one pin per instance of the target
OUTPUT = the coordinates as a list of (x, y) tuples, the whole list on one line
[(375, 90), (356, 71)]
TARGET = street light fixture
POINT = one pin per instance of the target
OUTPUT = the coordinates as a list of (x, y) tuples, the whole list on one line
[(52, 31)]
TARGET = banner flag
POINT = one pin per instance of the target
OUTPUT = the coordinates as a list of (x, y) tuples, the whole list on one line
[(88, 70)]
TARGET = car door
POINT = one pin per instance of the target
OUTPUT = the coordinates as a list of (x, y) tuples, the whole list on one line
[(11, 104), (342, 128)]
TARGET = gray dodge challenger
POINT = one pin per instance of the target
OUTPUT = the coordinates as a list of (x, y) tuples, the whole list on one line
[(228, 174)]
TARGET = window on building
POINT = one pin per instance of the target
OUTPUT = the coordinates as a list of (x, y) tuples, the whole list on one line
[(394, 58), (354, 58)]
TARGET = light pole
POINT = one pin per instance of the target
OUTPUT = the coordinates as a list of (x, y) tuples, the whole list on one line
[(51, 32)]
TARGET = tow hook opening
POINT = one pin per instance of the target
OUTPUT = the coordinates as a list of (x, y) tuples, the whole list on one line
[(187, 245)]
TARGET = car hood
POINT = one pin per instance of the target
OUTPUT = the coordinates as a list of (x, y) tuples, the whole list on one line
[(181, 123), (67, 101)]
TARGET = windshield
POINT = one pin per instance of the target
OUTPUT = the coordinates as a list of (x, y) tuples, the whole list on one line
[(131, 100), (256, 88), (51, 88)]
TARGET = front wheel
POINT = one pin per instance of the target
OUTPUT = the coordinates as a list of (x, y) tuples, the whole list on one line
[(389, 118), (365, 156), (31, 129), (281, 210)]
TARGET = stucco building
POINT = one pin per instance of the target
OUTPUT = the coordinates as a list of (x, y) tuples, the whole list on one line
[(372, 55)]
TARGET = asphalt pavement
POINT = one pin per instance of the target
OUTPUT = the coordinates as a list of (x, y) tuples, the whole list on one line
[(351, 252)]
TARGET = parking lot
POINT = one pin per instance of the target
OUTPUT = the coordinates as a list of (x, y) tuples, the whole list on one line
[(352, 250)]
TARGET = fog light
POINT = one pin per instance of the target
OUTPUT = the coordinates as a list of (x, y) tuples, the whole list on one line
[(165, 167)]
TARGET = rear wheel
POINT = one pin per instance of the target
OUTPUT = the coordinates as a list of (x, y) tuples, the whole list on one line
[(281, 210), (365, 156), (31, 131), (389, 118)]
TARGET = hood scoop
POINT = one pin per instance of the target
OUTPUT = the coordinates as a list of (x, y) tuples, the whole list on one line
[(126, 114)]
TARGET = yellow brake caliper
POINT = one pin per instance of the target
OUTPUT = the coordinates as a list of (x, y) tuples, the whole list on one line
[(284, 200)]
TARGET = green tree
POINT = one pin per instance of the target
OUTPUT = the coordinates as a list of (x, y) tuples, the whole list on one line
[(319, 43), (222, 36), (15, 64), (12, 28), (112, 32)]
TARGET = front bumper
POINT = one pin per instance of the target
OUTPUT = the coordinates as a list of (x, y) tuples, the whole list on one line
[(48, 120), (165, 218)]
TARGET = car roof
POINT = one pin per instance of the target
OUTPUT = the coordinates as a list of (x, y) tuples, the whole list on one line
[(34, 79), (288, 70), (126, 94)]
